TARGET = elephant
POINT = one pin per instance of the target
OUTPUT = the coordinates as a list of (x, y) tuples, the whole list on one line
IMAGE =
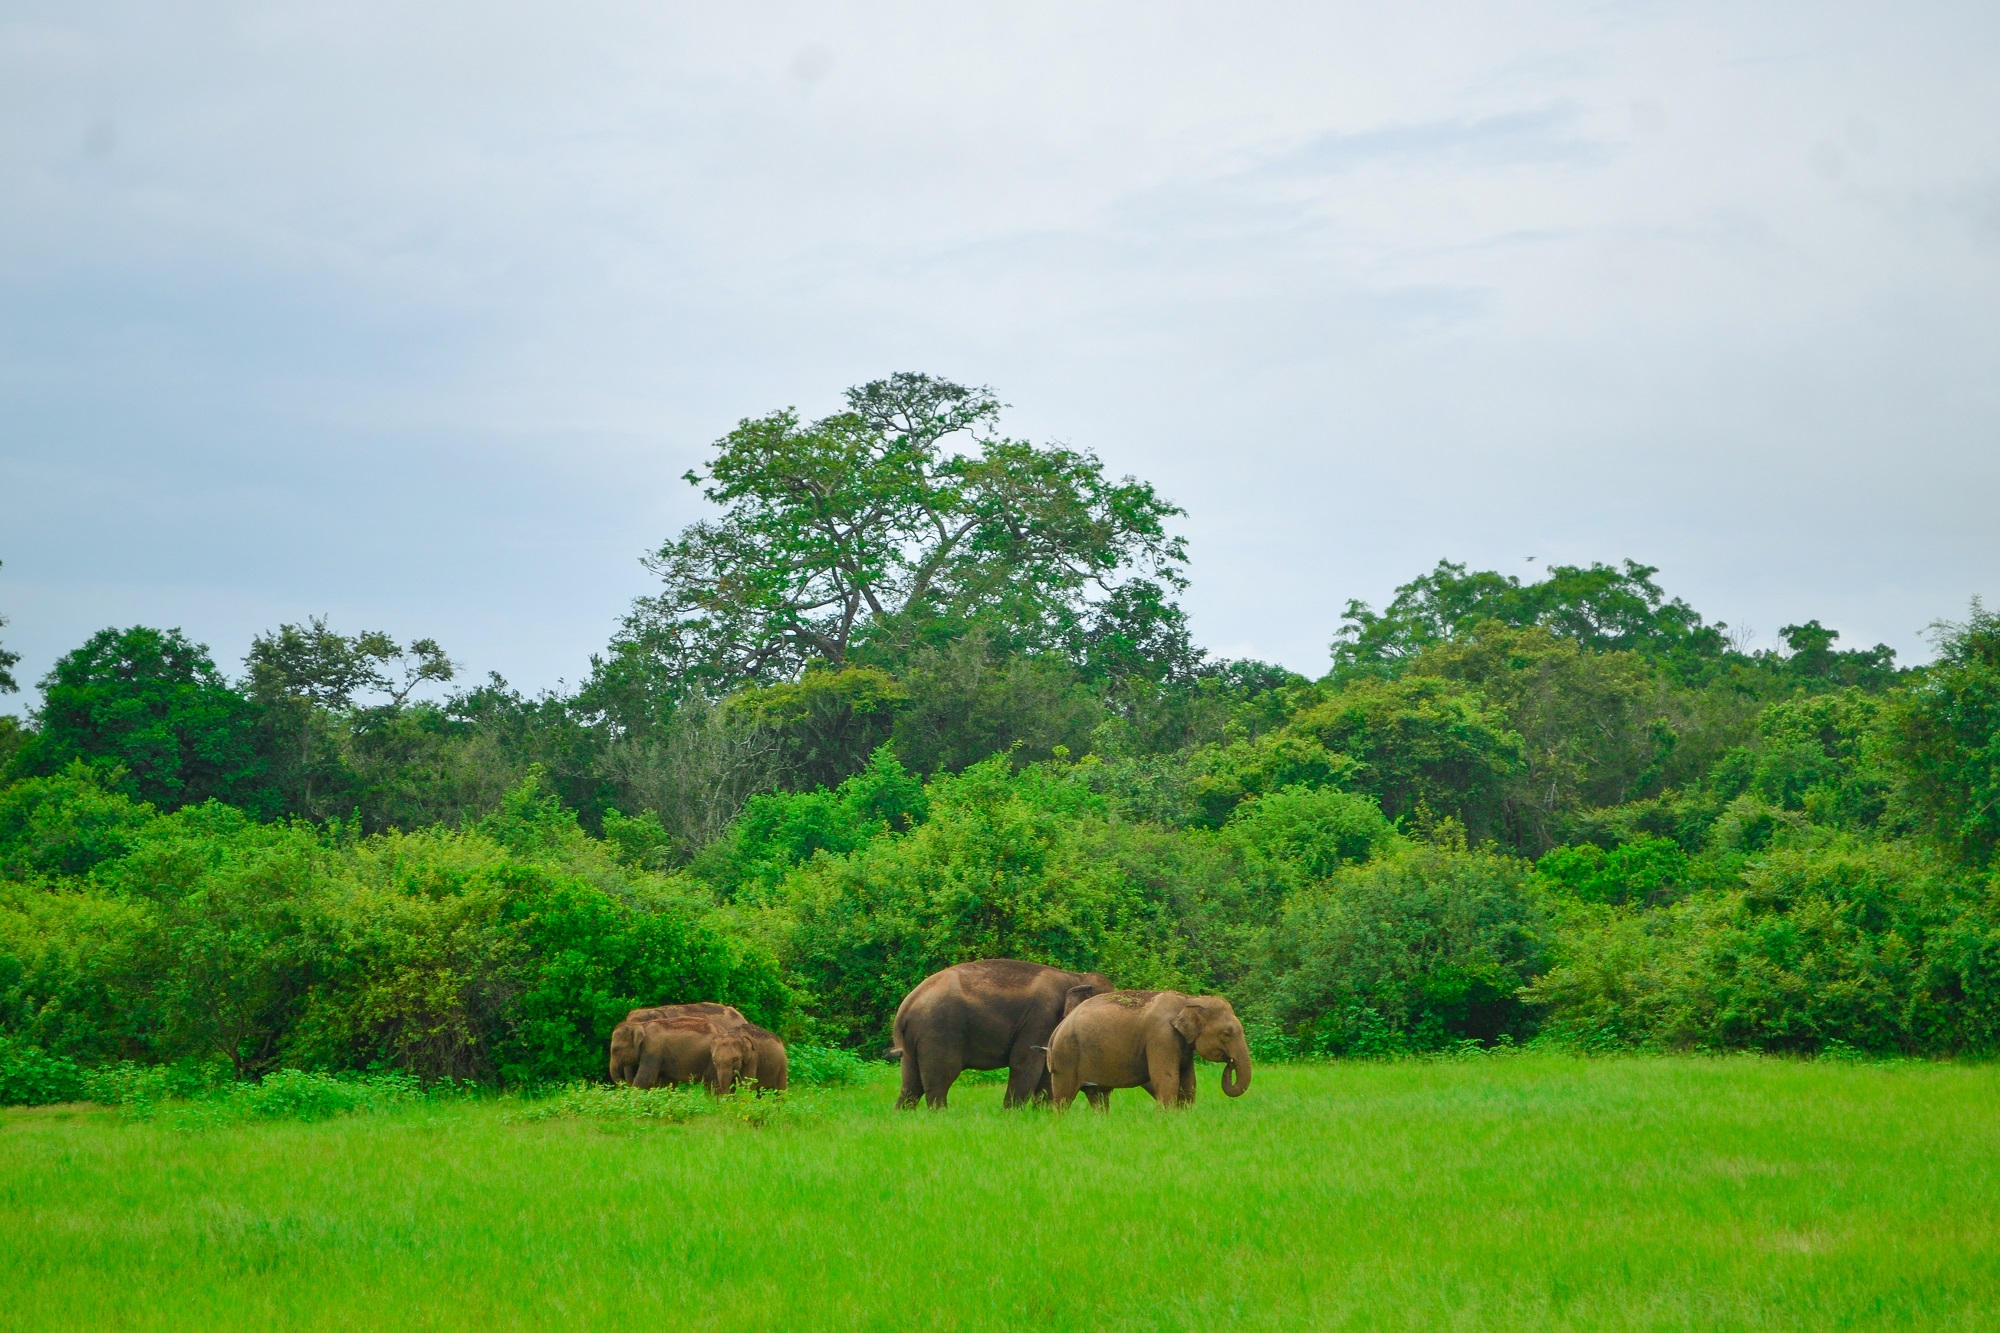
[(625, 1037), (996, 1013), (695, 1046), (770, 1070), (1146, 1039)]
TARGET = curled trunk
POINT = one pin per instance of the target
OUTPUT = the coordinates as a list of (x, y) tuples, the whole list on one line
[(1236, 1074)]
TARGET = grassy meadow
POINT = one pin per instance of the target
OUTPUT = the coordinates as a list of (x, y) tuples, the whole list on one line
[(1521, 1192)]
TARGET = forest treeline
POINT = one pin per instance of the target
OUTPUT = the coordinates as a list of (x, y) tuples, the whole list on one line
[(920, 692)]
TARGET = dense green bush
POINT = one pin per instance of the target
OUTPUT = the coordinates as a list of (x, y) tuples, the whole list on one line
[(30, 1076), (505, 952), (1414, 951), (1880, 947)]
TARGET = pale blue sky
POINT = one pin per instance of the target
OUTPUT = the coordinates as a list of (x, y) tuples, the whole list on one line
[(416, 321)]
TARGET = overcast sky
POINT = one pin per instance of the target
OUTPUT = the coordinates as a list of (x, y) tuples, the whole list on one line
[(413, 315)]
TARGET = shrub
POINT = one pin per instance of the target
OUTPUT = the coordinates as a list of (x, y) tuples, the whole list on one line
[(824, 1066), (507, 952), (1311, 832), (30, 1076), (1874, 945), (1413, 952), (1647, 870)]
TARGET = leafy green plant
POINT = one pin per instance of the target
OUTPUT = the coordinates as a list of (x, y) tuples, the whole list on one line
[(30, 1076), (824, 1066)]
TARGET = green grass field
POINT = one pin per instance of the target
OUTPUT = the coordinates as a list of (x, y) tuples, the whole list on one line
[(1529, 1192)]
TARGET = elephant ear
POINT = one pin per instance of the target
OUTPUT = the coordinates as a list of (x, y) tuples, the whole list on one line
[(1075, 996), (1188, 1022)]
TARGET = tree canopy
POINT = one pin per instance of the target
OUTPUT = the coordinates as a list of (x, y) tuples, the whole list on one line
[(904, 520)]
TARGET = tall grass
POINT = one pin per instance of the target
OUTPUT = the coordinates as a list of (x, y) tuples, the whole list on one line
[(1529, 1192)]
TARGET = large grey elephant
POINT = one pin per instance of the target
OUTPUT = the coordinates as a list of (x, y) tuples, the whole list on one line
[(1146, 1039), (625, 1037), (996, 1013)]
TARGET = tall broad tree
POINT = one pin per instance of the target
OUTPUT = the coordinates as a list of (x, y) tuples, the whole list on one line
[(150, 705), (308, 680), (905, 519)]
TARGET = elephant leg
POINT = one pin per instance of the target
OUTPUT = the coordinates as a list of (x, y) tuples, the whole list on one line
[(1163, 1064), (1027, 1074), (1100, 1098), (1187, 1078), (939, 1072), (649, 1070), (913, 1082)]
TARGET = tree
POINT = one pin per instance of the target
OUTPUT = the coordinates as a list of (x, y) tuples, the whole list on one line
[(1427, 747), (902, 521), (316, 664), (1945, 737), (1595, 728), (307, 677), (1603, 608), (1816, 662), (151, 703)]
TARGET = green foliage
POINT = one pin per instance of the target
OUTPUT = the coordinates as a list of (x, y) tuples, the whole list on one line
[(1822, 753), (1814, 662), (826, 723), (505, 952), (188, 1096), (1311, 831), (1594, 728), (1410, 952), (984, 876), (64, 825), (965, 706), (30, 1076), (1944, 738), (1427, 747), (785, 829), (824, 1067), (1603, 609), (1877, 946), (1648, 869), (1219, 777), (901, 521), (150, 706)]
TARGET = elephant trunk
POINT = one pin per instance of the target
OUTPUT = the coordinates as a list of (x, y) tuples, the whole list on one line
[(1236, 1074)]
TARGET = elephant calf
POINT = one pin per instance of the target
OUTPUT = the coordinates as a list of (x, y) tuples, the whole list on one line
[(1146, 1039)]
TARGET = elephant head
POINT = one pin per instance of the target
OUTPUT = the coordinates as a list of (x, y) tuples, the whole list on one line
[(624, 1052), (1208, 1024), (735, 1057), (1088, 984)]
